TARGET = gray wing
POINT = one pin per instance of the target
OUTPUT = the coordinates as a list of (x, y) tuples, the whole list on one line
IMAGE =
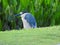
[(31, 20)]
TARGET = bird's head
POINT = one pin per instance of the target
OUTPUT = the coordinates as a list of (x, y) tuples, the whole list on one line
[(21, 13)]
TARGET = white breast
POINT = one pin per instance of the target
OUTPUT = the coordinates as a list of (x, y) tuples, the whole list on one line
[(25, 24)]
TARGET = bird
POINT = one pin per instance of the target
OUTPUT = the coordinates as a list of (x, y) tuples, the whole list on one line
[(27, 19)]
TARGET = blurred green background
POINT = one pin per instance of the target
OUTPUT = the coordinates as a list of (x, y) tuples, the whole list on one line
[(46, 13)]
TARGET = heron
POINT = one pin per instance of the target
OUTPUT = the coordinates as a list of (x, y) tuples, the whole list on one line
[(28, 20)]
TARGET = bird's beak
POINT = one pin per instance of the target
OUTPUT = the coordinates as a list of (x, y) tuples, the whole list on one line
[(17, 14)]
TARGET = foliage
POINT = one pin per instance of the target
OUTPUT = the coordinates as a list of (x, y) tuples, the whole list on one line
[(46, 12), (38, 36)]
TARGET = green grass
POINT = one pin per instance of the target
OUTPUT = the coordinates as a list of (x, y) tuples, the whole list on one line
[(38, 36)]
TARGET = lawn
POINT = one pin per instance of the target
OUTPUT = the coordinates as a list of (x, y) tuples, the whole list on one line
[(38, 36)]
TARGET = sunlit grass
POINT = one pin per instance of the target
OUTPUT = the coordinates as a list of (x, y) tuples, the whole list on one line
[(38, 36)]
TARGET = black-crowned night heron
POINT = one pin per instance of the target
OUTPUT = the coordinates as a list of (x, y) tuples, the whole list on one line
[(28, 20)]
